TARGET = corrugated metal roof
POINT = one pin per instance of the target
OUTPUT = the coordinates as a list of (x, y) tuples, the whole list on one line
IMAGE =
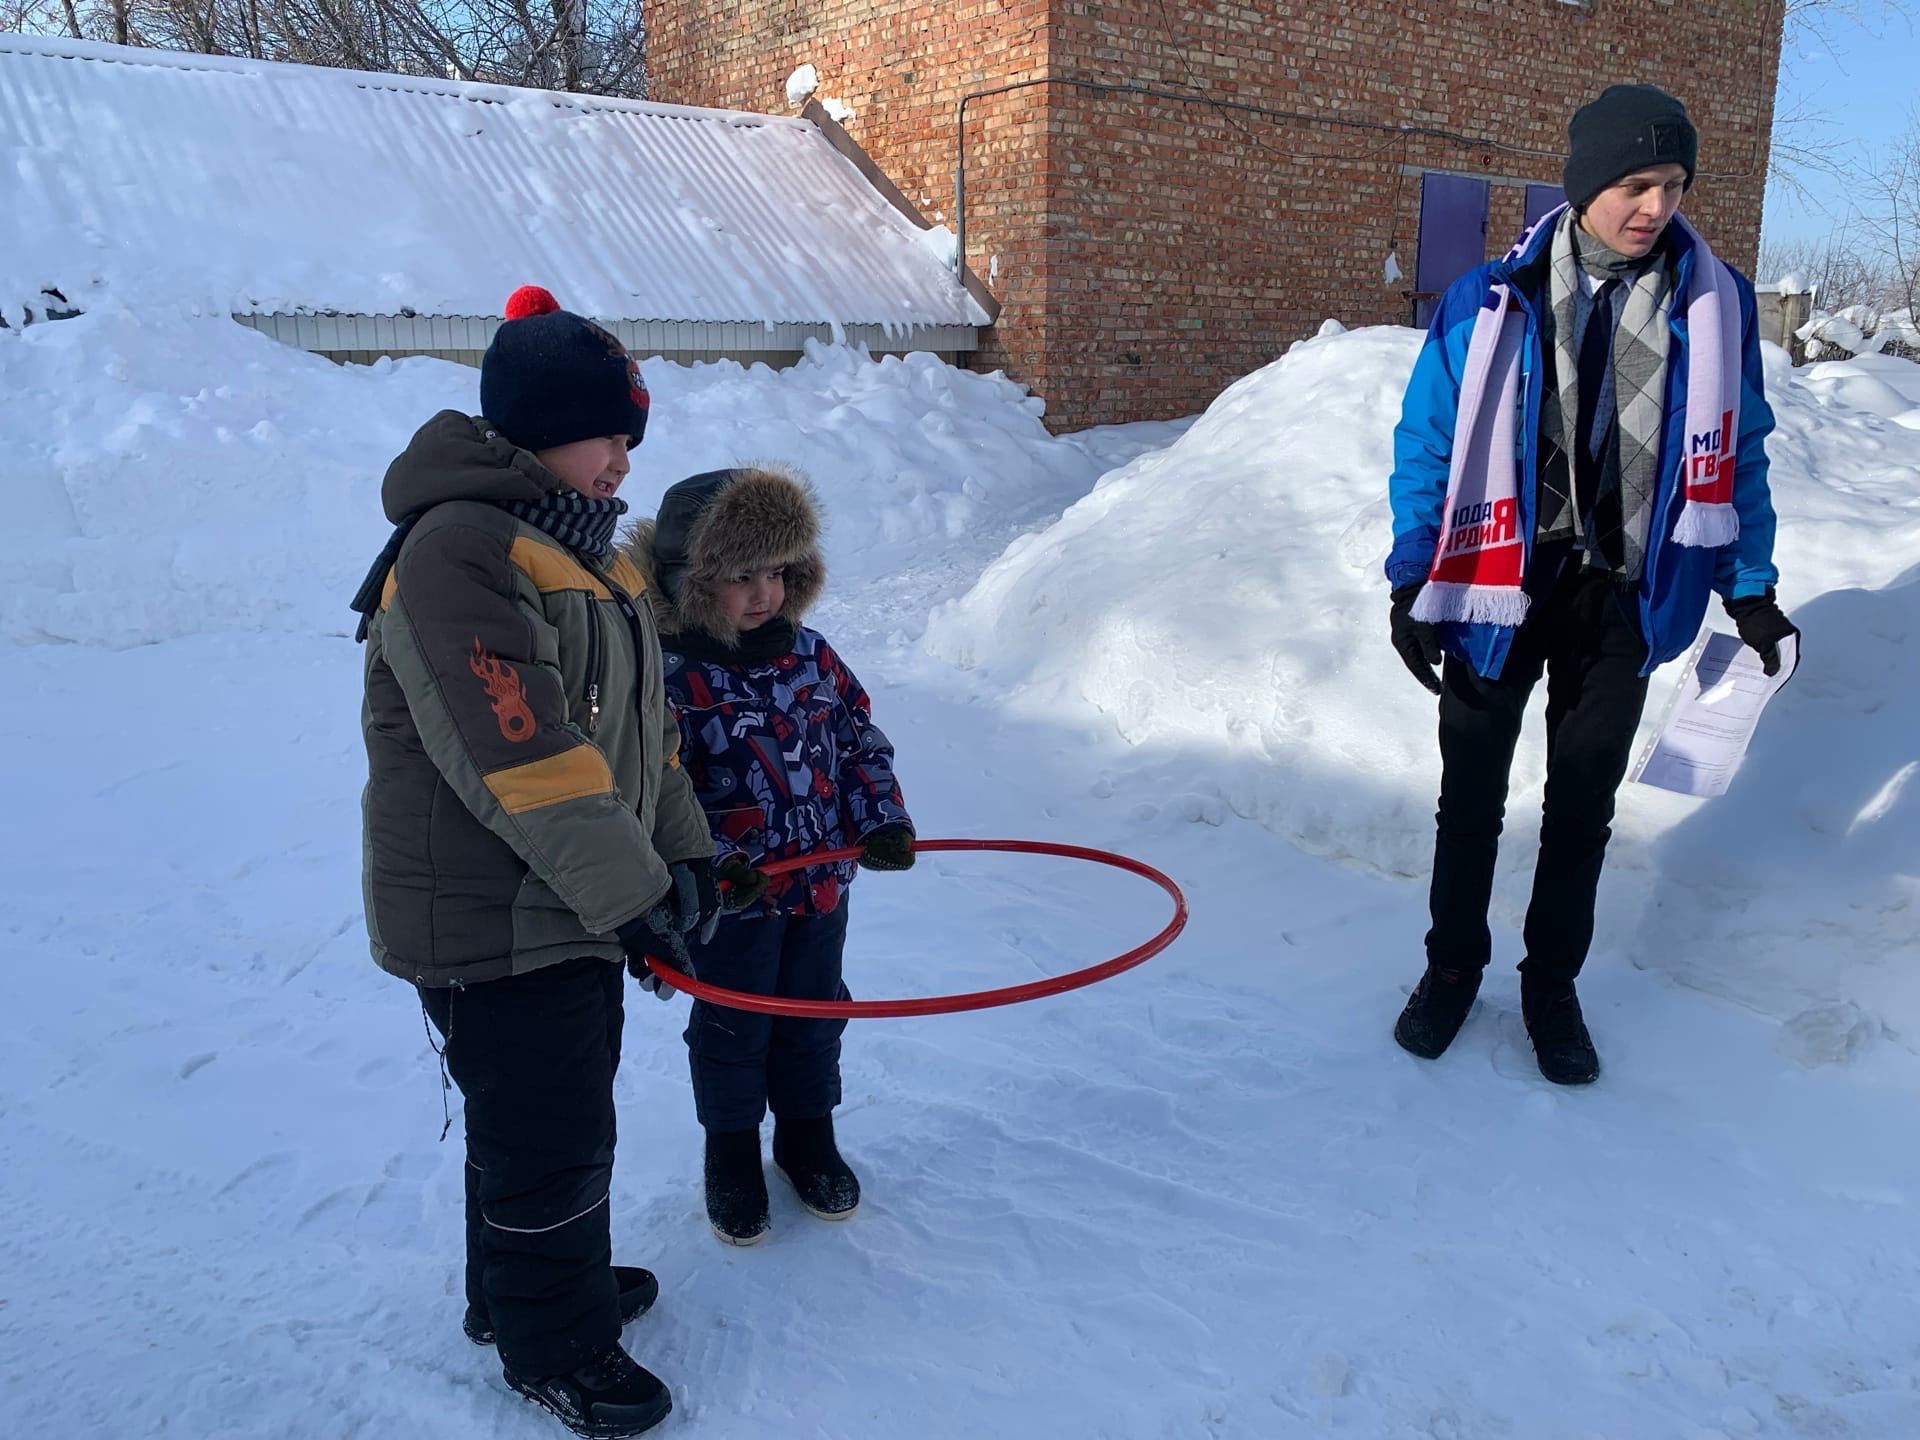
[(262, 188)]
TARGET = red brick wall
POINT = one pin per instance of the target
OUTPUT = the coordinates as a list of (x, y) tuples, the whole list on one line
[(903, 68), (1148, 251)]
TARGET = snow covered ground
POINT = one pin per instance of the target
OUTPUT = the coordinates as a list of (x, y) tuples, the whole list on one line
[(1209, 1198)]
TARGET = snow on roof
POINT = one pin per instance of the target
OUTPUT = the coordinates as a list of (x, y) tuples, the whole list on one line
[(262, 188)]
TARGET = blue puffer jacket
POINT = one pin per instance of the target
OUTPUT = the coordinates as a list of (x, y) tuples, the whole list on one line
[(1677, 580)]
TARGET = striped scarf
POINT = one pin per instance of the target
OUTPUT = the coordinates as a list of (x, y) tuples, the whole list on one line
[(1479, 559), (579, 522)]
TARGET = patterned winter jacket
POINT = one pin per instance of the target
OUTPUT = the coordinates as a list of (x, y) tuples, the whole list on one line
[(785, 760)]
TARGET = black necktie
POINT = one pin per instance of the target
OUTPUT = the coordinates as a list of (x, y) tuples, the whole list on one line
[(1596, 357)]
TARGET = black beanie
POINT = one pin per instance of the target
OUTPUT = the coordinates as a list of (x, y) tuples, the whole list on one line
[(1629, 128), (551, 377)]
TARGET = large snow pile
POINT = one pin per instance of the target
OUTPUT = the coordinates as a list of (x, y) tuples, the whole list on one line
[(184, 475), (1220, 604), (1886, 385), (181, 476)]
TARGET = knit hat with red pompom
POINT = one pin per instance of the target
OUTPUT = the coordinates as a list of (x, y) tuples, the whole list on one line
[(551, 377)]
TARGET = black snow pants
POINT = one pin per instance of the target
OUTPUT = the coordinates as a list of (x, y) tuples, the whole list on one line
[(535, 1057), (743, 1062)]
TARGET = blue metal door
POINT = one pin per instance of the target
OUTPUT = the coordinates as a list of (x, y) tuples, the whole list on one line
[(1453, 236), (1540, 199)]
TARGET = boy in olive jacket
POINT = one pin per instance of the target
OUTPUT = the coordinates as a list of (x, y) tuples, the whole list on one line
[(528, 827)]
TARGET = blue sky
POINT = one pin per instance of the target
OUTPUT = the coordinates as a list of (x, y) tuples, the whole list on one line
[(1865, 77)]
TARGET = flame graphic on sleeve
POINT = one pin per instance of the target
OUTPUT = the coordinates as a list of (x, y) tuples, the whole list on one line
[(508, 693)]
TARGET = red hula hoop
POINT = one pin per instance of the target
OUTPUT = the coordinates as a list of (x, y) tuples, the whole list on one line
[(949, 1004)]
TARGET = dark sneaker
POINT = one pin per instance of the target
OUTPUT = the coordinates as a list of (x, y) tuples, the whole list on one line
[(736, 1187), (605, 1399), (805, 1152), (638, 1291), (1435, 1011), (1560, 1040)]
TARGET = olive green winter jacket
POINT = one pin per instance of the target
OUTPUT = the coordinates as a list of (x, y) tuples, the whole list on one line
[(524, 792)]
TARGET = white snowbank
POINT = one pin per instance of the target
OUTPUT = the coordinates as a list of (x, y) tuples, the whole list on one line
[(1213, 600), (1220, 604), (179, 476), (1884, 385), (185, 475)]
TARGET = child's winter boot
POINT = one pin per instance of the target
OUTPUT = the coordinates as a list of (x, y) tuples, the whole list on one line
[(806, 1154), (736, 1186), (608, 1398)]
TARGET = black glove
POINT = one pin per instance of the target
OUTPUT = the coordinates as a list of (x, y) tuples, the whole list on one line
[(888, 848), (744, 885), (694, 899), (1417, 641), (1762, 627), (654, 932)]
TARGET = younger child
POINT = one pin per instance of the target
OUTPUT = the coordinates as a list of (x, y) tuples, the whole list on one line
[(785, 759)]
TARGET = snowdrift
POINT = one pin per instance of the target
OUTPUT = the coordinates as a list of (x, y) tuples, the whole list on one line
[(1220, 604), (184, 475)]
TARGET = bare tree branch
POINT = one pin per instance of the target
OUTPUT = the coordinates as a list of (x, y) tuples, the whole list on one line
[(1867, 270), (1796, 155), (588, 46), (1893, 217)]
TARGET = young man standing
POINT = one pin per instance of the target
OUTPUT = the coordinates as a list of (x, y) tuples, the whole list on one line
[(1578, 464)]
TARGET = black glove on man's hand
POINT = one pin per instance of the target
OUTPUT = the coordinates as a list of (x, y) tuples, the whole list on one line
[(1763, 625), (1417, 641), (654, 932), (745, 885), (888, 848), (695, 900)]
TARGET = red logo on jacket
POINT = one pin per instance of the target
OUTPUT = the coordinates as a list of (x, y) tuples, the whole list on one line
[(507, 691)]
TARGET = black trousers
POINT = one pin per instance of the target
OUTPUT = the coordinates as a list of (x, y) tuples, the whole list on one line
[(743, 1062), (535, 1056), (1584, 632)]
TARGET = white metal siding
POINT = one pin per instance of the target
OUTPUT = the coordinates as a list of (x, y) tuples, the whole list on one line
[(454, 335)]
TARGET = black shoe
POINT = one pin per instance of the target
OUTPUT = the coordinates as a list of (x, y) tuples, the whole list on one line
[(638, 1291), (608, 1397), (736, 1186), (806, 1154), (1560, 1040), (1435, 1011)]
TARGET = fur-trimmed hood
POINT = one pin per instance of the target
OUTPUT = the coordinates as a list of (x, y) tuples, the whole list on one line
[(714, 526)]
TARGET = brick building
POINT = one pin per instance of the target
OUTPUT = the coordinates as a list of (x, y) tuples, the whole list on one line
[(1150, 247)]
